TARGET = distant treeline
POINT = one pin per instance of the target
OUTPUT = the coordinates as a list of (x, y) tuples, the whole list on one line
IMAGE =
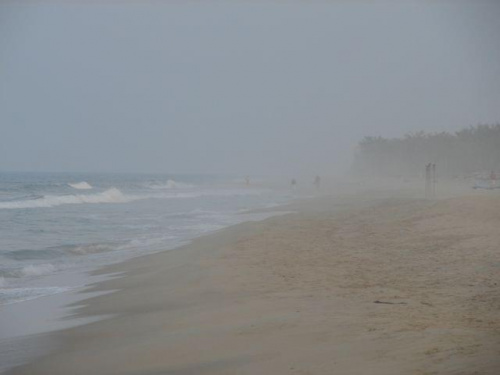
[(461, 154)]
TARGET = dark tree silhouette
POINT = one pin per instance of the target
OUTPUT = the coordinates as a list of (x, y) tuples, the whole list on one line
[(460, 154)]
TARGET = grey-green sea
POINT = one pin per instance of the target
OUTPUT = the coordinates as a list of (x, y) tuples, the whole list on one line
[(55, 223)]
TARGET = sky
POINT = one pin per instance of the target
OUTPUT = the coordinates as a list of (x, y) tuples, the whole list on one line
[(278, 87)]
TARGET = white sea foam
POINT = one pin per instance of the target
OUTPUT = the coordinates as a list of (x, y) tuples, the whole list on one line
[(37, 270), (12, 295), (170, 184), (112, 195), (170, 190), (89, 249), (81, 185)]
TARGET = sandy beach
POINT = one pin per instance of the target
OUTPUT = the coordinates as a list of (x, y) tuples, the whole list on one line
[(250, 187), (343, 286)]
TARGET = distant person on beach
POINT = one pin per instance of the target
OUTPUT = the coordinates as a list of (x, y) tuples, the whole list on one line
[(493, 179), (247, 181), (317, 182), (293, 183)]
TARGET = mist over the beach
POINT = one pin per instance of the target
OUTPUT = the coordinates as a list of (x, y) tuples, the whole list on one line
[(246, 88), (249, 187)]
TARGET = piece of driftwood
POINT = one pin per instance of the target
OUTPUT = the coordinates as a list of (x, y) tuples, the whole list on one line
[(390, 303)]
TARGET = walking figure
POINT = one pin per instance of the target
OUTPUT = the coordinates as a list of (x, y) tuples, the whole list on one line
[(293, 183), (428, 180), (317, 182), (493, 180), (434, 180)]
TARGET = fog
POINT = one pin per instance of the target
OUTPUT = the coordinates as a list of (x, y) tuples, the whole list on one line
[(282, 88)]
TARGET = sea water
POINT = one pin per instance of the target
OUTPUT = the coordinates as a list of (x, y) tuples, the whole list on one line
[(54, 223)]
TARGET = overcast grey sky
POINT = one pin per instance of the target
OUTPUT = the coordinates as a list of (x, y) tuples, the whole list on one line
[(243, 87)]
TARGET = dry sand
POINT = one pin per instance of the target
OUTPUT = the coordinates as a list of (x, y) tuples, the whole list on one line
[(384, 286)]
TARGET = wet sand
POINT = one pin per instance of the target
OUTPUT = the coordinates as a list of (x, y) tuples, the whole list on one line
[(345, 286)]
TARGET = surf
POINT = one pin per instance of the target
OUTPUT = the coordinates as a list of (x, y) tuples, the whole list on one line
[(81, 185), (170, 184), (112, 195)]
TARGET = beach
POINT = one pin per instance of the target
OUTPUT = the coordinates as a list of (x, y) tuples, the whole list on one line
[(353, 284), (250, 187)]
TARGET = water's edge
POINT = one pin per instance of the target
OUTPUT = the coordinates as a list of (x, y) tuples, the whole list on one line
[(32, 323)]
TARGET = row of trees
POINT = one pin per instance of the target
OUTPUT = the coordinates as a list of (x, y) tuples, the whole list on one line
[(461, 154)]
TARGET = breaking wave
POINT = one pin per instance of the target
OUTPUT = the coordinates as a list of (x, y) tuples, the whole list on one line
[(37, 270), (112, 195), (27, 271), (170, 184), (81, 185), (58, 251)]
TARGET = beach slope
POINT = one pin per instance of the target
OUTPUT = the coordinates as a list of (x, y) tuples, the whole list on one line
[(396, 286)]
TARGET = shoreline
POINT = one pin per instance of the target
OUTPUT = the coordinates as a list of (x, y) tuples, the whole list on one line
[(268, 297), (26, 324), (34, 332)]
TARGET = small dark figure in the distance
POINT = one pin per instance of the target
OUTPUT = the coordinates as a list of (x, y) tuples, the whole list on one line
[(493, 179), (317, 182)]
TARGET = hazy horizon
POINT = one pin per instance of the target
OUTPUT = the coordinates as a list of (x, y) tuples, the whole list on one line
[(247, 88)]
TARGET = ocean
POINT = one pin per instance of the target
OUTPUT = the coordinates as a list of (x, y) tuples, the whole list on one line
[(59, 223)]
